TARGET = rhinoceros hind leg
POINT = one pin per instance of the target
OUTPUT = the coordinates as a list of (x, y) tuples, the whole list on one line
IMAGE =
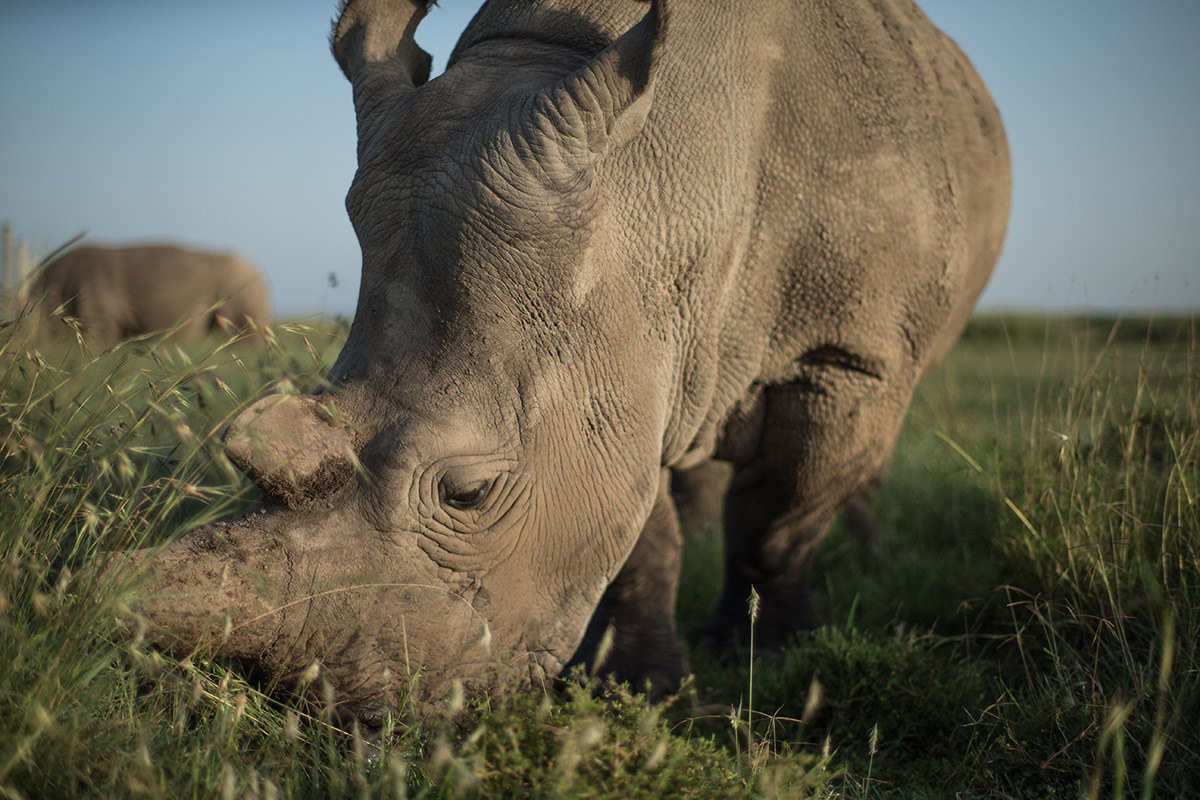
[(639, 606)]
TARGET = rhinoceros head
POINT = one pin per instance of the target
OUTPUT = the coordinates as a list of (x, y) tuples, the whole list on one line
[(489, 445)]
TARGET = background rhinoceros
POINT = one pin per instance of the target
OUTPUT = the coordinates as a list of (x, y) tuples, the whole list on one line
[(612, 239), (117, 293)]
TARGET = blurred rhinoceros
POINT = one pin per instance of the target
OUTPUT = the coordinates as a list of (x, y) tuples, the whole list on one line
[(117, 293)]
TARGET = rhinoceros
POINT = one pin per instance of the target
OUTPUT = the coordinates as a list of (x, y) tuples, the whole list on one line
[(612, 239), (118, 293)]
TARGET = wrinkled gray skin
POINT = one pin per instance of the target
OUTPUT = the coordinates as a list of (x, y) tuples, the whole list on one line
[(120, 293), (612, 239)]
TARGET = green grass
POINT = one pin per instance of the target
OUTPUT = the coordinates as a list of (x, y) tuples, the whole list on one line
[(1027, 626)]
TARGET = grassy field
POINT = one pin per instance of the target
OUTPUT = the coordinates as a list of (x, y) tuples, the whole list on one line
[(1027, 627)]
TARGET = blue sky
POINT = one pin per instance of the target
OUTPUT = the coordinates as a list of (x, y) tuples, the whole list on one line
[(227, 125)]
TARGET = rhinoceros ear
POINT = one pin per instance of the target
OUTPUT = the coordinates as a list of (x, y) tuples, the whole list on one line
[(604, 104), (373, 43)]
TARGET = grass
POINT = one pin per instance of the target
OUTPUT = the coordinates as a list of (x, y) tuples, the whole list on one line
[(1026, 628)]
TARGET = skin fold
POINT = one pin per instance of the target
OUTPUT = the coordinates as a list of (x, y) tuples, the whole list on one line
[(614, 239)]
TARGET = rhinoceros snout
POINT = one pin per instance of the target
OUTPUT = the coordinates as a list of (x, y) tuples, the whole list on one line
[(215, 587)]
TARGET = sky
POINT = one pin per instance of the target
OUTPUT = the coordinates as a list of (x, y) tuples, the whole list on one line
[(227, 125)]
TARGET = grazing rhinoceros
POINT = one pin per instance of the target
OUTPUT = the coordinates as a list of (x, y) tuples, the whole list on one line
[(612, 239), (123, 292)]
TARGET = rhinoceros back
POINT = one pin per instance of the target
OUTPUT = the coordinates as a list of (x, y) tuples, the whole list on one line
[(821, 183)]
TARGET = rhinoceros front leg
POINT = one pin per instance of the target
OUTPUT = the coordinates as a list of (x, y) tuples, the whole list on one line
[(859, 513), (821, 446), (639, 607), (769, 547), (699, 492)]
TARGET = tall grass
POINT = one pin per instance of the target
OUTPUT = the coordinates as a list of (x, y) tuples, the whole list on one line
[(111, 451), (1104, 561), (1026, 628)]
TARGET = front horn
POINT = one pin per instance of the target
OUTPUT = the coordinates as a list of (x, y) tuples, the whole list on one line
[(292, 448)]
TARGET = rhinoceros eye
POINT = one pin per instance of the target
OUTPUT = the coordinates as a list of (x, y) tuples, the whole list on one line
[(465, 497)]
